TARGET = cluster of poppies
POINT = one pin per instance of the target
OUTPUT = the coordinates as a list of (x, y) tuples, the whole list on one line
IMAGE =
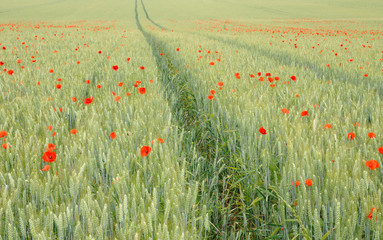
[(49, 156)]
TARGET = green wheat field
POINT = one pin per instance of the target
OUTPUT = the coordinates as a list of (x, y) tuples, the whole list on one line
[(200, 119)]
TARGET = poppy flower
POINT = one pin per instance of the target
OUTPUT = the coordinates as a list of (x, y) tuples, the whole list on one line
[(262, 131), (18, 61), (276, 78), (220, 84), (142, 90), (381, 150), (252, 75), (259, 74), (51, 71), (1, 63), (87, 81), (51, 147), (50, 129), (268, 74), (372, 164), (113, 135), (304, 113), (3, 134), (272, 85), (212, 92), (88, 101), (160, 140), (46, 168), (212, 63), (117, 98), (99, 52), (98, 86), (371, 135), (294, 78), (366, 75), (58, 86), (285, 111), (120, 84), (5, 146), (370, 215), (297, 183), (49, 156), (211, 97), (10, 72), (73, 131), (115, 68), (351, 135), (309, 182), (74, 99), (328, 126), (142, 67), (145, 150)]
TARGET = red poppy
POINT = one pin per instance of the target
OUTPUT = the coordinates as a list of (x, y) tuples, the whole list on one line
[(58, 86), (259, 74), (366, 75), (145, 150), (142, 90), (73, 131), (3, 134), (309, 182), (117, 98), (304, 113), (142, 67), (10, 72), (74, 99), (177, 49), (351, 135), (370, 215), (294, 78), (98, 86), (115, 68), (297, 183), (252, 75), (285, 111), (51, 71), (88, 101), (380, 150), (5, 146), (262, 131), (371, 135), (268, 74), (46, 168), (99, 52), (212, 92), (49, 156), (160, 140), (51, 147), (212, 63), (113, 135), (328, 126), (211, 97), (120, 84), (50, 129), (220, 84), (372, 164), (1, 63), (87, 81)]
